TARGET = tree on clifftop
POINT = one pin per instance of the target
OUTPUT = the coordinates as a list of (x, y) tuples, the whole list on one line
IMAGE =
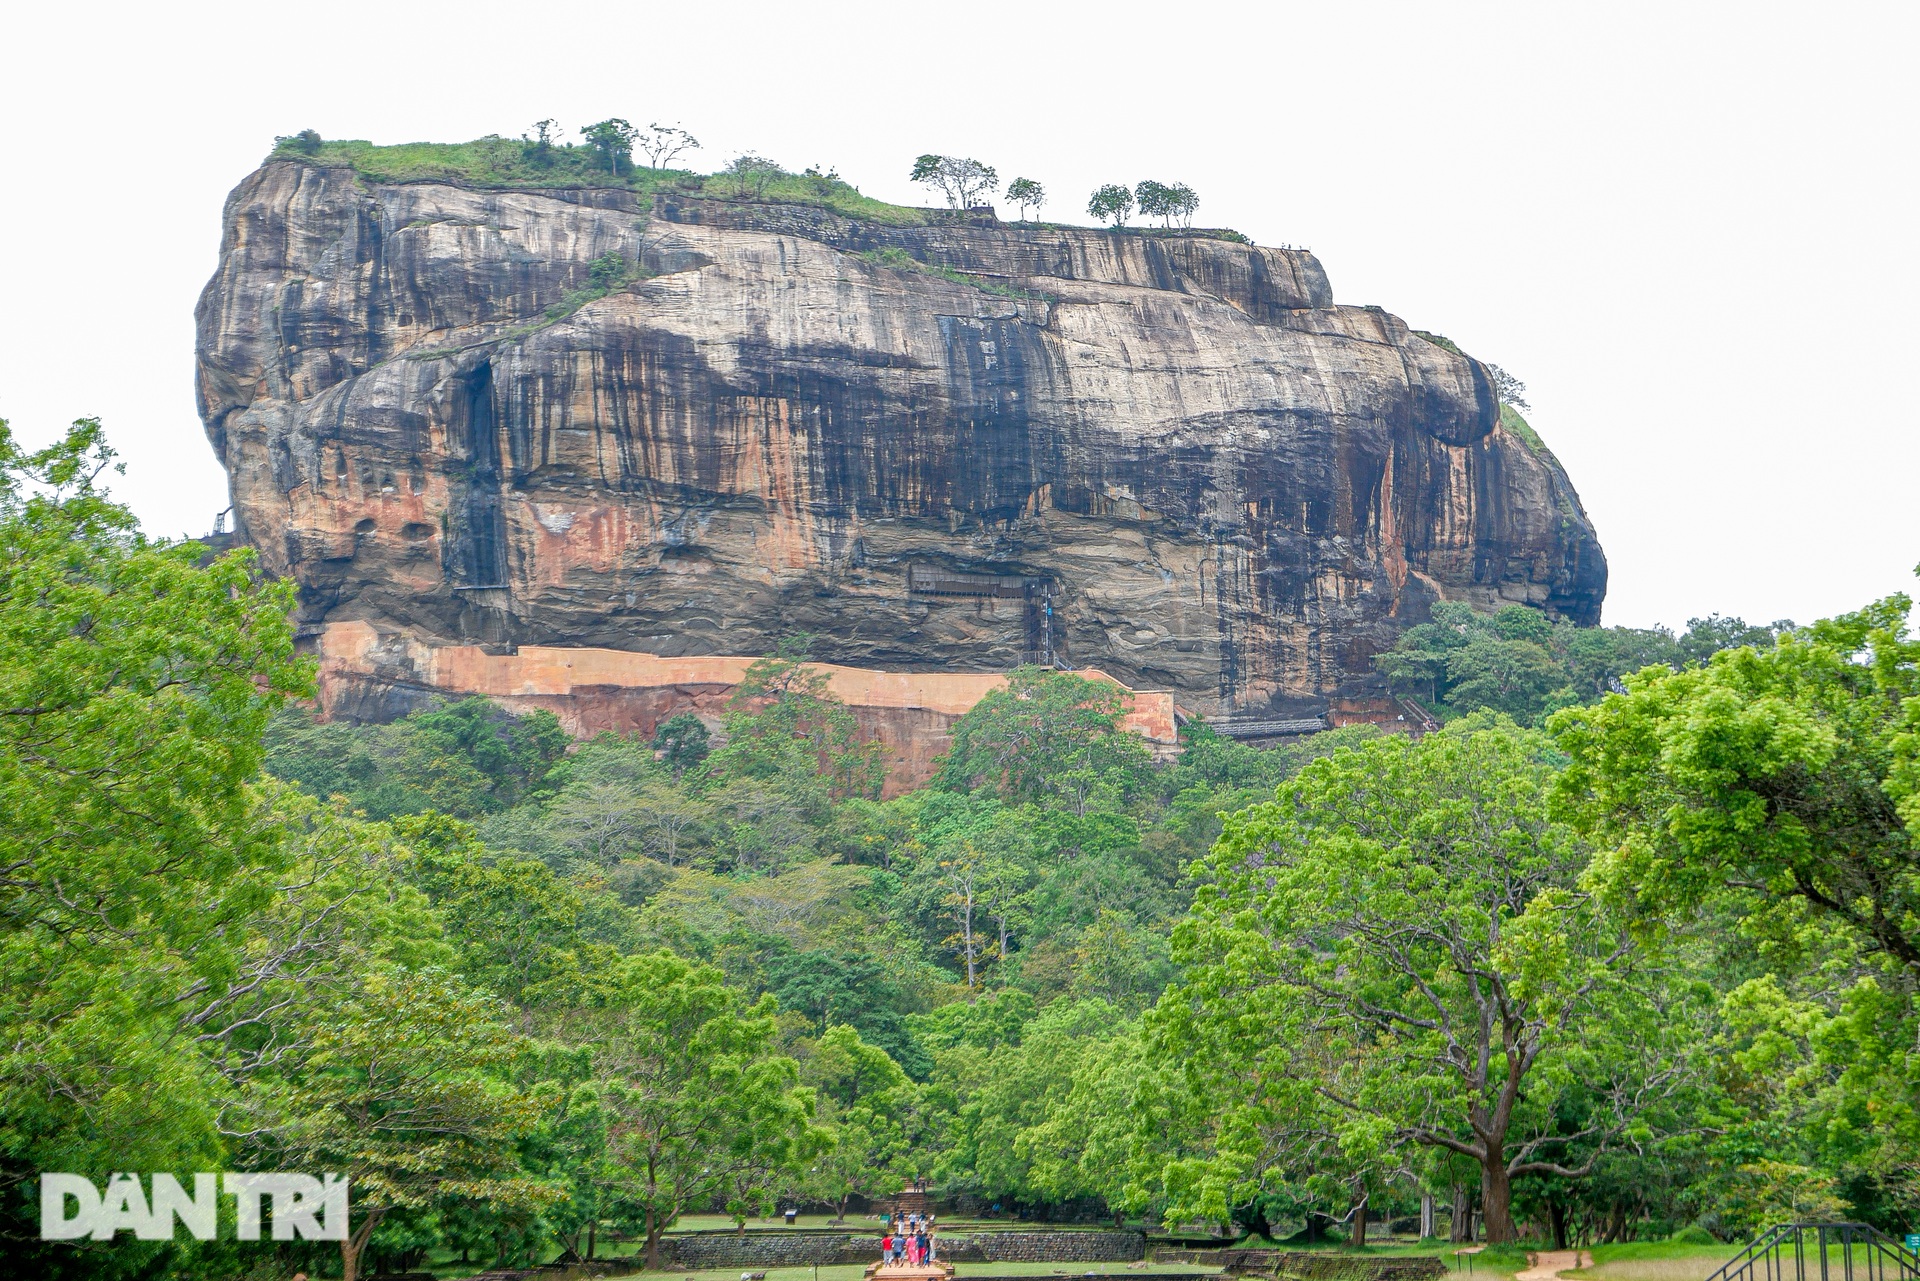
[(661, 144), (1510, 389), (612, 141), (1111, 204), (538, 145), (1167, 202), (750, 175), (306, 142), (963, 181), (1026, 193)]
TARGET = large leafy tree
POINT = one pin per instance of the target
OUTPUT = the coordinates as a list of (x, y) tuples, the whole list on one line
[(404, 1091), (1047, 736), (1112, 204), (1395, 952), (788, 732), (134, 685), (866, 1100), (1778, 788), (466, 758), (1026, 193), (612, 143), (698, 1103)]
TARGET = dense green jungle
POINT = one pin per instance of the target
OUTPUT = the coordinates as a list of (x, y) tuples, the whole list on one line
[(1628, 948)]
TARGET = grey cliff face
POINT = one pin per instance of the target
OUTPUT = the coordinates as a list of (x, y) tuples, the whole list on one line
[(954, 446)]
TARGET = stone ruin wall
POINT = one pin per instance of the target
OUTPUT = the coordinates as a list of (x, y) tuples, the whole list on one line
[(370, 675)]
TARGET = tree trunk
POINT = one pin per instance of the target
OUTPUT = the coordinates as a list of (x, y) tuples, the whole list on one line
[(1360, 1224), (653, 1242), (1460, 1230), (353, 1244), (1426, 1216), (966, 930), (1496, 1201), (1557, 1217), (593, 1232)]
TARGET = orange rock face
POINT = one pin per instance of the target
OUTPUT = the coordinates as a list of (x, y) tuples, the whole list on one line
[(367, 675), (940, 449)]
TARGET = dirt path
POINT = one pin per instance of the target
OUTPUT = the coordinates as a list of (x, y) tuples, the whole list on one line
[(1548, 1264)]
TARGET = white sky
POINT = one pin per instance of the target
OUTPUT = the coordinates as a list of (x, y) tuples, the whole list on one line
[(1690, 228)]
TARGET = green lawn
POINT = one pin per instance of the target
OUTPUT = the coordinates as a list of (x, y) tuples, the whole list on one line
[(1654, 1261)]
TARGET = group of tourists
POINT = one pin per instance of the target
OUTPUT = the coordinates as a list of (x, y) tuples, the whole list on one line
[(908, 1241)]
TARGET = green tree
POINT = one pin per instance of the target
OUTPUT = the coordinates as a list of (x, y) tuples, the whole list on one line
[(1047, 735), (681, 741), (1510, 389), (1124, 1119), (998, 1090), (1026, 193), (1154, 200), (1166, 202), (516, 927), (1792, 771), (466, 758), (599, 822), (1519, 662), (699, 1104), (404, 1093), (135, 682), (1182, 203), (1112, 204), (1779, 787), (1393, 952), (864, 1097), (612, 142), (751, 175), (963, 181), (539, 146), (786, 729)]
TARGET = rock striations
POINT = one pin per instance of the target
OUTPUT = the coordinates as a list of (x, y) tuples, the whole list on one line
[(694, 426)]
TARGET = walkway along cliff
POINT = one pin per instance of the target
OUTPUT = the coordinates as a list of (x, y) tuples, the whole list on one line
[(686, 427)]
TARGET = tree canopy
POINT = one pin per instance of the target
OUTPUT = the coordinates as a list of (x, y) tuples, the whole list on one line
[(1112, 204), (1396, 952), (962, 181)]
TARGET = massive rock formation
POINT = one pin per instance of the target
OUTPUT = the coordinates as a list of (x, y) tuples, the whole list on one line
[(950, 446)]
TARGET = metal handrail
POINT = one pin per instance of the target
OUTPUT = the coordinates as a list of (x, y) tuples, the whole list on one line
[(1767, 1257)]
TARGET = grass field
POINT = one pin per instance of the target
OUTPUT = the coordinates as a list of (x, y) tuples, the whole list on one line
[(1653, 1261)]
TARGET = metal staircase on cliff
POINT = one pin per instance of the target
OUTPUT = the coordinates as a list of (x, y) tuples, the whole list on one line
[(1821, 1252), (1036, 593)]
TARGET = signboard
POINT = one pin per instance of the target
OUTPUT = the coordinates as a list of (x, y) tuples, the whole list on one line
[(1913, 1242)]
